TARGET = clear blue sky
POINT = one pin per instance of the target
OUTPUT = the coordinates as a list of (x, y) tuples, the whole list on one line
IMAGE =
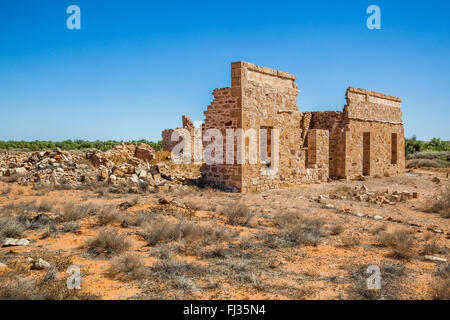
[(136, 66)]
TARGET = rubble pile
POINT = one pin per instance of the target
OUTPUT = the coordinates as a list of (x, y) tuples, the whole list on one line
[(363, 194), (128, 163)]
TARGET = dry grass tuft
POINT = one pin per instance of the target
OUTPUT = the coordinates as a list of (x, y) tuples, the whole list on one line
[(108, 215), (238, 213), (73, 212), (11, 227), (427, 163), (336, 229), (399, 241), (440, 287), (391, 277), (298, 230), (129, 266), (158, 230), (108, 241)]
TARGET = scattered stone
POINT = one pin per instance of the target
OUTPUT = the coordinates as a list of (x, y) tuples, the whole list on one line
[(112, 179), (40, 264), (20, 171), (125, 205), (163, 201), (2, 265), (378, 218), (10, 242), (329, 206), (434, 258)]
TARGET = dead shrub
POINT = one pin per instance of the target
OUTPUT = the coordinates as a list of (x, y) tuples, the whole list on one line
[(300, 230), (76, 212), (440, 203), (158, 230), (108, 241), (108, 215), (399, 241), (337, 229), (185, 284), (128, 265), (217, 251), (135, 219), (350, 241), (427, 163), (55, 258), (11, 227), (44, 206), (392, 275), (175, 267), (436, 180), (429, 155), (48, 231), (238, 213), (19, 289), (42, 221), (431, 244), (70, 226)]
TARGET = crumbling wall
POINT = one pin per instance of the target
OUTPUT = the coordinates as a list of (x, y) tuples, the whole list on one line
[(378, 116), (223, 113), (335, 123), (167, 143), (318, 155)]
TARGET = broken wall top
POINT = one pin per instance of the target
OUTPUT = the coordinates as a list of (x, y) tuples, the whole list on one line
[(369, 105), (244, 71)]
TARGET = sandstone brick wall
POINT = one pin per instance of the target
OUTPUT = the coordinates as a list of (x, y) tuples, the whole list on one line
[(317, 161), (376, 114), (334, 122), (223, 113), (379, 116)]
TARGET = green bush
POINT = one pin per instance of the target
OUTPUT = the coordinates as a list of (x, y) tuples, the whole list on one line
[(413, 145)]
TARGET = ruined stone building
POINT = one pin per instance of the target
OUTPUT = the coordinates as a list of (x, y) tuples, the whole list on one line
[(366, 138)]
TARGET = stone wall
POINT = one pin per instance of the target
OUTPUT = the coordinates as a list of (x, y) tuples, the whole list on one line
[(335, 122), (378, 116), (223, 113)]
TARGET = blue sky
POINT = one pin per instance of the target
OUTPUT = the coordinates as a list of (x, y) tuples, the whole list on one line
[(136, 66)]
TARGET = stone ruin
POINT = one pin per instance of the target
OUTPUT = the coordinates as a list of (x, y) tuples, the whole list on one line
[(365, 139)]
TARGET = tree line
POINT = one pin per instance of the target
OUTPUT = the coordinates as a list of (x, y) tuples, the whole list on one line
[(412, 145), (38, 145)]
